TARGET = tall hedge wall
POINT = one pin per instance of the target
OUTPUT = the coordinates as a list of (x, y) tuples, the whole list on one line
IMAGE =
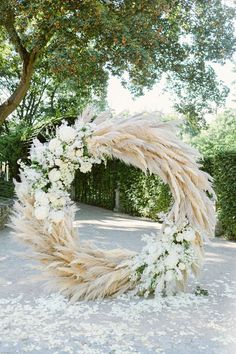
[(140, 194), (6, 188), (145, 195), (224, 173)]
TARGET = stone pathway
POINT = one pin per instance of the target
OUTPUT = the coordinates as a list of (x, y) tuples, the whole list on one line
[(33, 321)]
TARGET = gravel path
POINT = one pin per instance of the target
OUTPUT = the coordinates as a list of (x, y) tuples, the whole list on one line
[(33, 321)]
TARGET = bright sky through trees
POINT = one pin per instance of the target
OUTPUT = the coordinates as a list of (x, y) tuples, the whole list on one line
[(120, 99)]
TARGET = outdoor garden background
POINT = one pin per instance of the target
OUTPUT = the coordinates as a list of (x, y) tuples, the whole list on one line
[(58, 57)]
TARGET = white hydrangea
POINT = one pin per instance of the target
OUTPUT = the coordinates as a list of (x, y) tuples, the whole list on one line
[(67, 134), (59, 162), (79, 153), (54, 175), (162, 261), (53, 168), (56, 200)]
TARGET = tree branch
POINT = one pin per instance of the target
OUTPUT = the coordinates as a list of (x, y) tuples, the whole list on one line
[(28, 59), (7, 107)]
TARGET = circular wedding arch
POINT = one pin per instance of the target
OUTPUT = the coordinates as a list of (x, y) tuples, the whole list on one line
[(43, 214)]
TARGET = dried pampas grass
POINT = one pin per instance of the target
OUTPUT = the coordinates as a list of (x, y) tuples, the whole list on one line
[(78, 269)]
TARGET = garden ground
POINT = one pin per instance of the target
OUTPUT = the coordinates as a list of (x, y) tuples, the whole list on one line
[(35, 321)]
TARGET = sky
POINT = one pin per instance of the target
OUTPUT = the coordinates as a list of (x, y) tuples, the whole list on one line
[(120, 99)]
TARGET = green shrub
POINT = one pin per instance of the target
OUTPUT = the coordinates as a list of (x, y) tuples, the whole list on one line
[(6, 189), (145, 195), (224, 173), (97, 187), (140, 194)]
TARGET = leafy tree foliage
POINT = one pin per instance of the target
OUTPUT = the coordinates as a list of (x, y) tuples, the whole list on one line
[(220, 136), (217, 144), (89, 39)]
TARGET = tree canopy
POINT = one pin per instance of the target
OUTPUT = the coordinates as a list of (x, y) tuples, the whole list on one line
[(219, 136), (86, 40)]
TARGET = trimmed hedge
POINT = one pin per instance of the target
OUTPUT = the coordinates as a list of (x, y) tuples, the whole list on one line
[(224, 173), (6, 188), (140, 194), (98, 186), (145, 195)]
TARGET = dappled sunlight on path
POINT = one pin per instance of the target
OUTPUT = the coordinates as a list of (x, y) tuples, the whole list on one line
[(32, 321)]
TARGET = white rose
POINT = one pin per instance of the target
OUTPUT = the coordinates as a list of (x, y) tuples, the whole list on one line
[(58, 162), (189, 235), (171, 260), (69, 178), (168, 230), (41, 212), (54, 175), (57, 185), (41, 197), (181, 266), (55, 147), (179, 238), (67, 134), (57, 216), (53, 198), (57, 202), (85, 167), (79, 153)]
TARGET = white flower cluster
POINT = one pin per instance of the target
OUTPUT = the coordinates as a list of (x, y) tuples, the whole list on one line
[(165, 261), (53, 166)]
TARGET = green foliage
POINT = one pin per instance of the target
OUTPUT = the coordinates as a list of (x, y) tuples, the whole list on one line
[(217, 144), (47, 95), (16, 137), (98, 186), (140, 194), (12, 148), (89, 39), (199, 291), (224, 172), (6, 189), (219, 136)]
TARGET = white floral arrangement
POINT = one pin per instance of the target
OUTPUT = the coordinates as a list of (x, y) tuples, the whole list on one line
[(45, 210), (165, 261), (52, 169)]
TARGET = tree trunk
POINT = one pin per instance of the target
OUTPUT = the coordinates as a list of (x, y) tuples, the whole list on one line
[(7, 107)]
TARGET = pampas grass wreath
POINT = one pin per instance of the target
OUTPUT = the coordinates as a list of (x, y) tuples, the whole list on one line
[(78, 269)]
